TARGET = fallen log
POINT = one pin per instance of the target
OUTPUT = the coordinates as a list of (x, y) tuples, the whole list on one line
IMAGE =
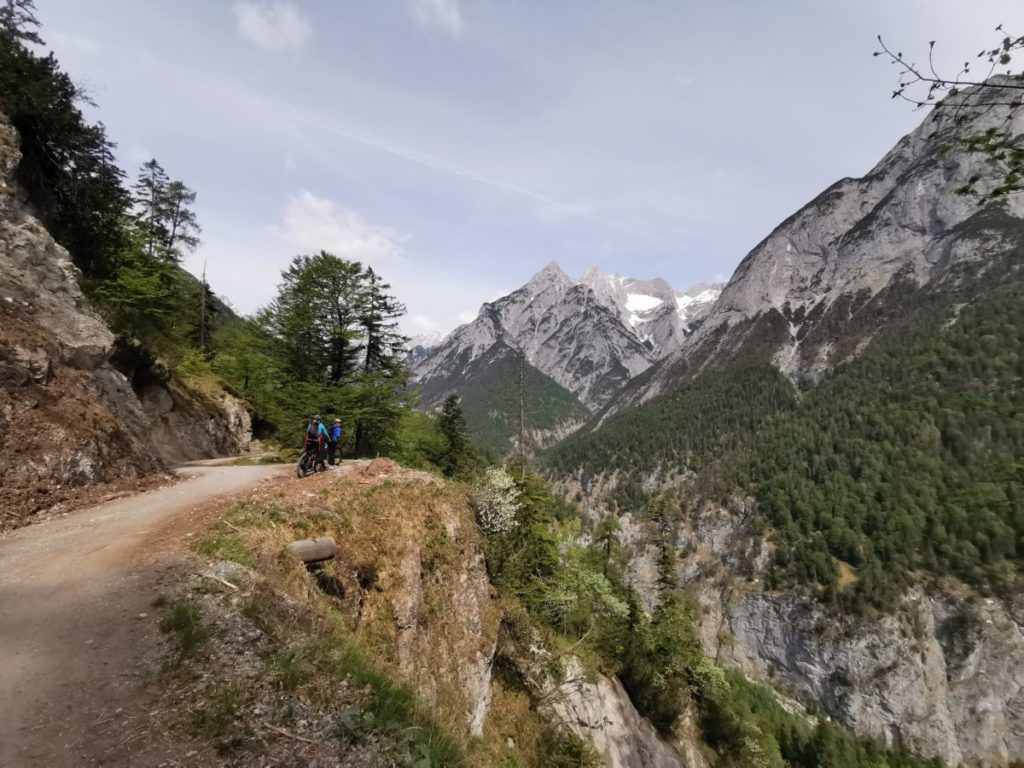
[(313, 550)]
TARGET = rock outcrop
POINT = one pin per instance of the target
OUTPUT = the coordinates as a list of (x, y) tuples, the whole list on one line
[(68, 418), (601, 712), (595, 708)]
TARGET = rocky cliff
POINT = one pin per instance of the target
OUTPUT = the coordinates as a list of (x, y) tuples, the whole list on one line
[(943, 675), (409, 588), (68, 418), (830, 278)]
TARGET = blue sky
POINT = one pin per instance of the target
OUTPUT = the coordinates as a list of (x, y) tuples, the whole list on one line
[(460, 145)]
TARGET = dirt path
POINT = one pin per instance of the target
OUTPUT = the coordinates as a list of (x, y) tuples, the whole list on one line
[(77, 629)]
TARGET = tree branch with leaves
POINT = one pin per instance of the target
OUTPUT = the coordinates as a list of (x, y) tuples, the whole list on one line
[(988, 86)]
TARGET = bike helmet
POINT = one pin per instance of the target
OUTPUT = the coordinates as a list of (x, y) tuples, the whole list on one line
[(315, 417)]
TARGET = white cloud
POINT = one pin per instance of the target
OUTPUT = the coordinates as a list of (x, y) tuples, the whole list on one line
[(312, 223), (468, 316), (444, 15), (273, 26), (421, 324)]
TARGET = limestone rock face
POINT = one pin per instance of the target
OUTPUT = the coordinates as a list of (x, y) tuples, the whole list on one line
[(600, 712), (186, 428), (943, 675), (798, 291), (597, 709)]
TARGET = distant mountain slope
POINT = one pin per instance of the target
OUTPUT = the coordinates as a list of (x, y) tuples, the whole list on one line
[(590, 336), (844, 431), (423, 344), (579, 341), (490, 387)]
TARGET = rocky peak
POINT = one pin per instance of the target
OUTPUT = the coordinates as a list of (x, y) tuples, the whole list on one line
[(550, 277), (590, 335)]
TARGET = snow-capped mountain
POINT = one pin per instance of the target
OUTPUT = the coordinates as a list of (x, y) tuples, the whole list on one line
[(660, 316), (589, 335), (422, 344)]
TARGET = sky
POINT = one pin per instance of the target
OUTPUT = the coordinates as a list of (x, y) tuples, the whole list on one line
[(458, 146)]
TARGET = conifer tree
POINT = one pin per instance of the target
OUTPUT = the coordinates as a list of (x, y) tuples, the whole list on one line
[(163, 213), (384, 345), (452, 424), (18, 20), (148, 196), (180, 220)]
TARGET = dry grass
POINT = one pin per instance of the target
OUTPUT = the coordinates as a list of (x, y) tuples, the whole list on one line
[(383, 519), (847, 575)]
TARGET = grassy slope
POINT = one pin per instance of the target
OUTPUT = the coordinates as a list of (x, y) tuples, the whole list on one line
[(378, 521)]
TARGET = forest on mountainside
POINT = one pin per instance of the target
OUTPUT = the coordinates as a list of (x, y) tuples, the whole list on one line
[(574, 590), (500, 389), (903, 461)]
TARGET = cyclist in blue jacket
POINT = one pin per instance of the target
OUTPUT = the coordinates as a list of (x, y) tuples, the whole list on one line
[(334, 437)]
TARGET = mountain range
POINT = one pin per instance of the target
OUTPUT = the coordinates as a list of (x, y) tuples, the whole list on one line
[(578, 341)]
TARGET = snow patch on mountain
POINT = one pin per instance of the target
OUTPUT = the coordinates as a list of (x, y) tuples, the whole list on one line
[(639, 302)]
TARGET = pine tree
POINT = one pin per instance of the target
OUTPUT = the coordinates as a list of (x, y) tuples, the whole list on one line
[(452, 424), (384, 345)]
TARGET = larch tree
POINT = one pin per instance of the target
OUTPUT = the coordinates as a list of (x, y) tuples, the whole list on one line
[(148, 198), (18, 20)]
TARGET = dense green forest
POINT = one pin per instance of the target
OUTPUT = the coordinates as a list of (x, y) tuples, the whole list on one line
[(905, 460)]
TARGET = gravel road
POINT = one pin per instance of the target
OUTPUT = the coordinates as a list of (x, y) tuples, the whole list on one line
[(76, 621)]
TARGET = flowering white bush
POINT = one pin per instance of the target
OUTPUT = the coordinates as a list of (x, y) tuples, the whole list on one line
[(496, 502)]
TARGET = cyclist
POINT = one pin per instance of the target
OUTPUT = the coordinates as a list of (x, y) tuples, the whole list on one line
[(318, 432), (332, 442)]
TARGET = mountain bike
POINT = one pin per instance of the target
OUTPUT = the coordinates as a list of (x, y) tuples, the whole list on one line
[(312, 458)]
